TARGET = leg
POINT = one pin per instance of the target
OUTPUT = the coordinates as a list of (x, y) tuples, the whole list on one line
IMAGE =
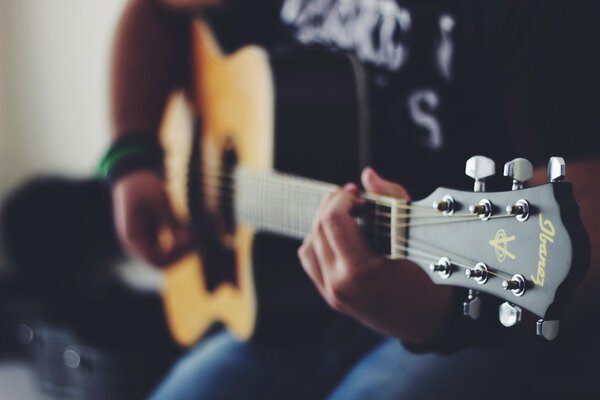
[(392, 372), (220, 367)]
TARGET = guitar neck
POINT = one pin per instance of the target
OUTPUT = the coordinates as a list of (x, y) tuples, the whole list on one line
[(287, 205), (278, 203)]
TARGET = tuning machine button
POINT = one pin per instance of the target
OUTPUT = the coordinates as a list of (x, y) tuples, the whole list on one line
[(547, 329), (472, 306), (520, 170), (520, 210), (480, 168), (556, 169), (479, 273), (446, 206), (509, 314), (483, 209), (517, 284), (443, 267)]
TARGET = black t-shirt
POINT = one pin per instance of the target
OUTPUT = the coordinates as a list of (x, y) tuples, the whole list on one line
[(451, 79), (448, 79)]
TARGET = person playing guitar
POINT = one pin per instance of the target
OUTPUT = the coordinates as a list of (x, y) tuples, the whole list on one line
[(445, 80)]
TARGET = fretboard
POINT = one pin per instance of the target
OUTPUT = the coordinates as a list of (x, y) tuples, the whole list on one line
[(287, 205), (278, 203)]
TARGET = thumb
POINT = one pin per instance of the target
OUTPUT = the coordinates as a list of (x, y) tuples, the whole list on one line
[(174, 238), (375, 184)]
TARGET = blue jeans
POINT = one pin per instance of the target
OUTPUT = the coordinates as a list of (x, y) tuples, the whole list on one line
[(222, 368)]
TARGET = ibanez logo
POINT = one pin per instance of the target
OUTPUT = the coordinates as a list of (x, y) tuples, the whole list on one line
[(546, 238)]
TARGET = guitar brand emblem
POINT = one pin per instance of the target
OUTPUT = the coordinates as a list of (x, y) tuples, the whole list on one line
[(500, 245), (547, 233)]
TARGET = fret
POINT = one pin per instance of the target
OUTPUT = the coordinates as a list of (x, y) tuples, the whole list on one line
[(278, 203), (287, 205), (382, 223)]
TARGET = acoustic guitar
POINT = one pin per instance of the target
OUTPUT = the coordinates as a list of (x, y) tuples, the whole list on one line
[(526, 246)]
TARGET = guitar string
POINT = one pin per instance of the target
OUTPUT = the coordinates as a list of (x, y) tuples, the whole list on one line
[(431, 258), (377, 213), (458, 264), (218, 172), (276, 175), (468, 216), (430, 215), (453, 258), (400, 217), (474, 218), (419, 248), (424, 249), (413, 242), (433, 251), (266, 179)]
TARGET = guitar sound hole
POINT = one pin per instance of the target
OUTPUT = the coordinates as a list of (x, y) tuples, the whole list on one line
[(226, 204), (213, 230)]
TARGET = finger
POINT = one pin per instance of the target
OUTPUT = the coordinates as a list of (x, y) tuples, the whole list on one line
[(168, 246), (350, 188), (181, 233), (376, 184), (322, 249), (341, 230), (143, 244), (310, 263), (151, 239), (173, 237)]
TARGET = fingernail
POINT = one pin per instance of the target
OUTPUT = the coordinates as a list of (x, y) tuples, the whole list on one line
[(369, 173), (375, 174), (350, 187)]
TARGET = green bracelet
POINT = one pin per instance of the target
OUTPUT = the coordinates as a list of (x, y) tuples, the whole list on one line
[(115, 154), (130, 152)]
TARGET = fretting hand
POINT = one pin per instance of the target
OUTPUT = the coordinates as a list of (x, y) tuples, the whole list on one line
[(392, 296)]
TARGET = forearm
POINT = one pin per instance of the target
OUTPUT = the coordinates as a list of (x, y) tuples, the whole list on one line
[(412, 308), (147, 64)]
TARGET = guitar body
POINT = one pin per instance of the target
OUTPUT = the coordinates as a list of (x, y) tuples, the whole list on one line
[(298, 115), (272, 132)]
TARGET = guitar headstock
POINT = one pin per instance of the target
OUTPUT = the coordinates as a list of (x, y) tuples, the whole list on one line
[(526, 246)]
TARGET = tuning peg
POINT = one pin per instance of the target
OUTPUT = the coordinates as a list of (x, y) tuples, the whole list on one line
[(446, 205), (479, 168), (472, 306), (520, 170), (547, 329), (479, 274), (556, 169), (443, 267), (517, 284), (509, 314), (520, 210)]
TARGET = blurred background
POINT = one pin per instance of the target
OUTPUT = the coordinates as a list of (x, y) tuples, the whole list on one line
[(60, 335), (54, 58)]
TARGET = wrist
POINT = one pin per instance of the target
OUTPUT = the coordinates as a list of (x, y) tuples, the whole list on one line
[(131, 153)]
